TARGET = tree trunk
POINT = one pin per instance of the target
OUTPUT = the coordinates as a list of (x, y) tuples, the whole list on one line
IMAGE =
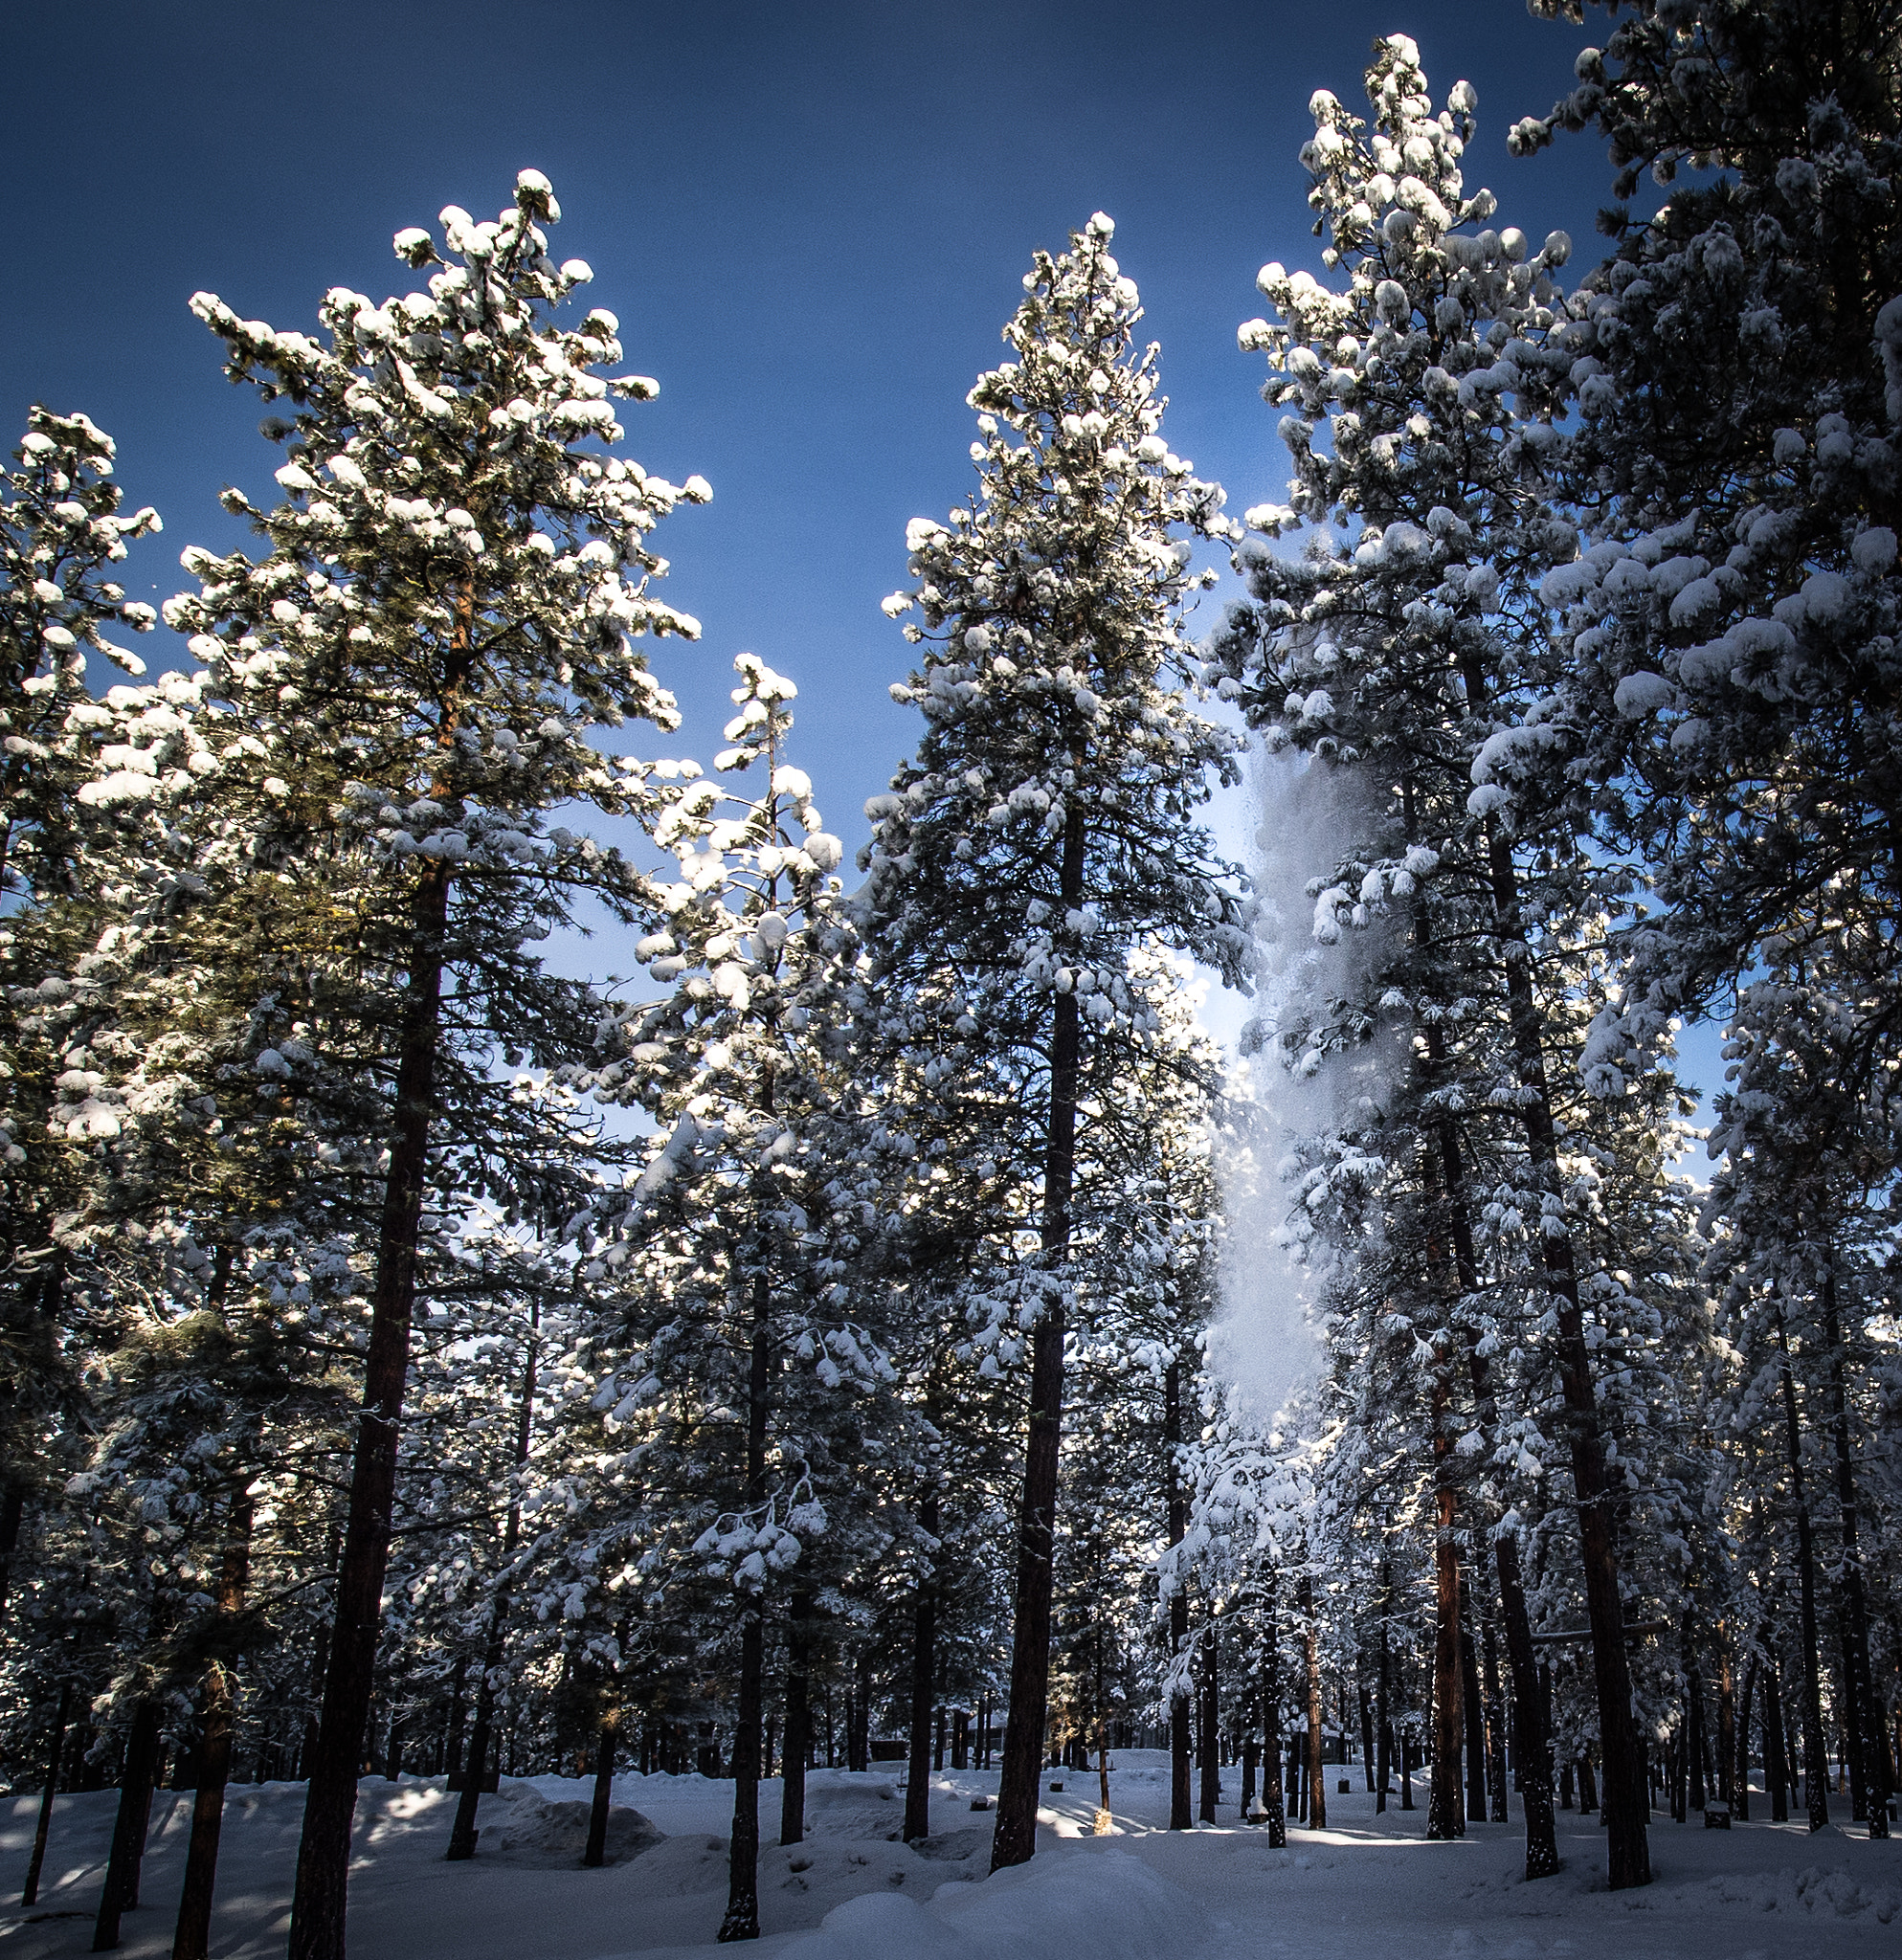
[(1271, 1783), (1014, 1841), (1816, 1758), (1628, 1846), (797, 1745), (119, 1893), (1727, 1725), (1776, 1750), (1446, 1817), (1740, 1774), (1382, 1699), (12, 1508), (1531, 1743), (1317, 1779), (1496, 1723), (192, 1938), (1694, 1736), (1868, 1733), (741, 1919), (1180, 1807), (462, 1831), (1366, 1735), (596, 1853), (29, 1895), (321, 1898), (924, 1682), (1208, 1748), (1475, 1714)]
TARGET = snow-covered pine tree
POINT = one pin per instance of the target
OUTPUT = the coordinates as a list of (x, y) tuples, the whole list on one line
[(1411, 655), (61, 534), (741, 1064), (449, 603), (1045, 828)]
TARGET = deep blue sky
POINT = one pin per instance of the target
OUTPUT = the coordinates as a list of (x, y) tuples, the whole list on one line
[(812, 220)]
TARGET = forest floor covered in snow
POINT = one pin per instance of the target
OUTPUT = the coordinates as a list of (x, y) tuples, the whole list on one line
[(852, 1891)]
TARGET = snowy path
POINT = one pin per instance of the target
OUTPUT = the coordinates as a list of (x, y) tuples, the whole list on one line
[(1754, 1892)]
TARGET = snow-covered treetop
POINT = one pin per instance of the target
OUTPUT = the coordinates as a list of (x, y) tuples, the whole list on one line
[(453, 563), (1057, 671), (59, 528)]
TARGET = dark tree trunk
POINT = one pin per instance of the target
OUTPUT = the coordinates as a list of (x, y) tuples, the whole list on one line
[(596, 1853), (1446, 1817), (1209, 1726), (797, 1745), (1627, 1847), (1366, 1735), (1777, 1775), (12, 1508), (1740, 1772), (1816, 1756), (1496, 1723), (29, 1895), (321, 1898), (1180, 1808), (192, 1938), (1271, 1783), (1014, 1841), (1870, 1771), (1318, 1780), (1382, 1703), (1475, 1714), (119, 1893), (1588, 1786), (1727, 1726), (462, 1831), (924, 1681), (742, 1917), (1694, 1737)]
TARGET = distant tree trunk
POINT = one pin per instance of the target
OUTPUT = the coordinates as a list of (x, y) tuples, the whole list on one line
[(1382, 1707), (1317, 1794), (1271, 1784), (1014, 1841), (1694, 1736), (191, 1941), (12, 1508), (1209, 1725), (1727, 1724), (30, 1896), (1367, 1750), (1777, 1767), (596, 1853), (1588, 1786), (319, 1900), (741, 1917), (1627, 1849), (1180, 1813), (1496, 1723), (797, 1745), (924, 1681), (1445, 1814), (1871, 1773), (1816, 1757), (462, 1831), (1740, 1759), (119, 1893), (1475, 1714), (1531, 1745)]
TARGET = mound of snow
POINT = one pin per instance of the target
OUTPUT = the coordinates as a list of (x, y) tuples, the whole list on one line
[(534, 1832), (1108, 1904)]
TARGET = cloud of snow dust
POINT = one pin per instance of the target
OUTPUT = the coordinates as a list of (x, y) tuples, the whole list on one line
[(1264, 1338)]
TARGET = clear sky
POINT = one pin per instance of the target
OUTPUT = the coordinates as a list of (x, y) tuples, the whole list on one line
[(810, 218)]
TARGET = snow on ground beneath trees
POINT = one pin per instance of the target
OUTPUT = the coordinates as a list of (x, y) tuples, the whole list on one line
[(852, 1891)]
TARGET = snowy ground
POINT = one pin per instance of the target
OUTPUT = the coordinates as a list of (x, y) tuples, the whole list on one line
[(852, 1892)]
